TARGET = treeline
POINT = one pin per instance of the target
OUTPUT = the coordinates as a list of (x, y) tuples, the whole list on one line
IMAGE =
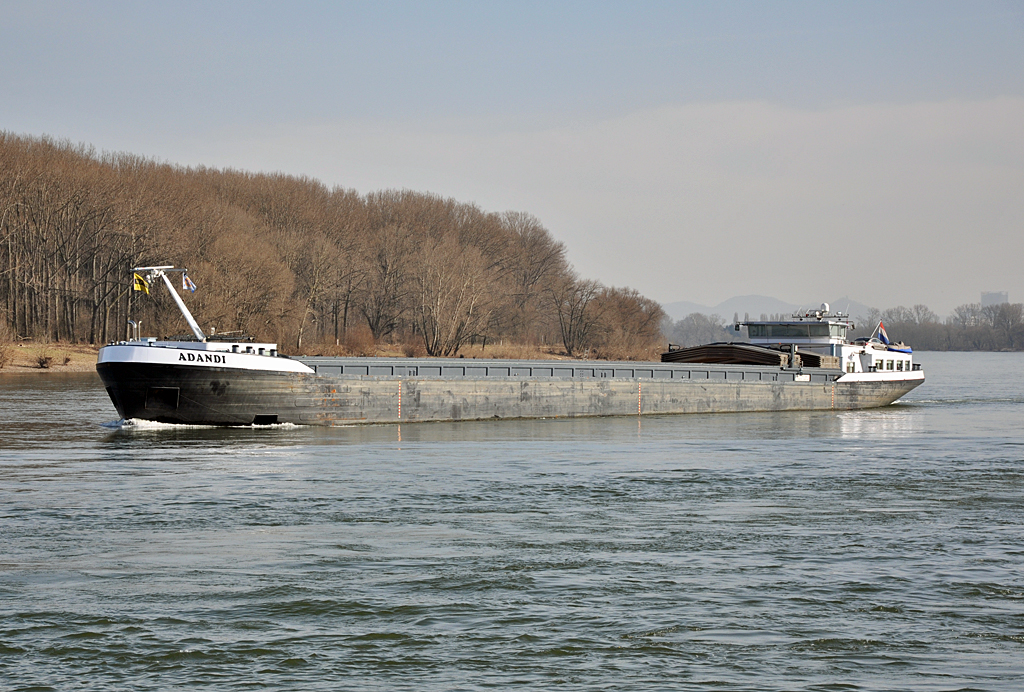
[(697, 328), (970, 327), (288, 259)]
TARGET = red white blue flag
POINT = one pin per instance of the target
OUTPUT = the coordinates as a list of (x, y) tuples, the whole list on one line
[(882, 335)]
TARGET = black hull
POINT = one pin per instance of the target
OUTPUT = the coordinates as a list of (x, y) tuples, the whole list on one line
[(226, 396), (201, 396)]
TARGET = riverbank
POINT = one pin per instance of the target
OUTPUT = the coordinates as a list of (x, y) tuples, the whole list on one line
[(47, 358), (59, 357)]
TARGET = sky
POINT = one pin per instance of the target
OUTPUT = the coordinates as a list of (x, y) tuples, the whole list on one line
[(693, 151)]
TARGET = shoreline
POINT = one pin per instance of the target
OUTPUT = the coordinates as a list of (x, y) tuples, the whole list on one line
[(82, 357), (25, 358)]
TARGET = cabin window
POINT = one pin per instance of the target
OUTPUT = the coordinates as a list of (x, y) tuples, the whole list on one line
[(757, 331), (899, 365), (849, 367), (889, 365), (837, 330)]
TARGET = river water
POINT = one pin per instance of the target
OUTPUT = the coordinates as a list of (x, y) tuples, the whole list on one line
[(878, 550)]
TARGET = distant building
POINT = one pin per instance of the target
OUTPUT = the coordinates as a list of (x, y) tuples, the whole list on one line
[(994, 298)]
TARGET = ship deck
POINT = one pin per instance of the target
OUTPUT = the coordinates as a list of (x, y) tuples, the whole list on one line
[(478, 368)]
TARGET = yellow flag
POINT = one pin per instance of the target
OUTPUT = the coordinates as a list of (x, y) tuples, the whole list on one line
[(141, 284)]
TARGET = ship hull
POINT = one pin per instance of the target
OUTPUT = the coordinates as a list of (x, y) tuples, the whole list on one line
[(336, 392)]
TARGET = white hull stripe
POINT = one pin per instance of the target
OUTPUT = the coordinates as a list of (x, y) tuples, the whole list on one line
[(894, 376), (159, 355)]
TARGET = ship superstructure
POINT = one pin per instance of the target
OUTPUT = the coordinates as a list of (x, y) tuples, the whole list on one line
[(825, 333)]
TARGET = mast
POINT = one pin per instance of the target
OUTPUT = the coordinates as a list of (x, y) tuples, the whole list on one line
[(154, 272)]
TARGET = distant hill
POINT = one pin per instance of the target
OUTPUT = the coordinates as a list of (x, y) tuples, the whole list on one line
[(682, 308), (755, 306)]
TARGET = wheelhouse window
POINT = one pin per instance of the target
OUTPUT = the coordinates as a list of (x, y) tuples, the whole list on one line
[(790, 331)]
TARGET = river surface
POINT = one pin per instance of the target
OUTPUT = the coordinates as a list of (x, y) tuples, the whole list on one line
[(877, 550)]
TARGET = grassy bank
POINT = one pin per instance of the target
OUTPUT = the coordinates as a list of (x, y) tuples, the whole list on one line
[(56, 357), (60, 357), (416, 350)]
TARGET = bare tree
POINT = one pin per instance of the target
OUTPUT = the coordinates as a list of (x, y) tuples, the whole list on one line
[(320, 256), (968, 315), (923, 315), (899, 314), (697, 328), (578, 316), (630, 327), (536, 260), (452, 296), (1006, 319), (383, 294)]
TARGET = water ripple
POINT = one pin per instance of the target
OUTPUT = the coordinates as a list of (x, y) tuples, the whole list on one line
[(815, 551)]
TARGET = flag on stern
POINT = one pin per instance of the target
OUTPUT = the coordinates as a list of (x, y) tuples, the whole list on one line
[(140, 284), (882, 335), (187, 284)]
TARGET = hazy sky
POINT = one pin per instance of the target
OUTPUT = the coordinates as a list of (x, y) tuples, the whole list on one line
[(694, 151)]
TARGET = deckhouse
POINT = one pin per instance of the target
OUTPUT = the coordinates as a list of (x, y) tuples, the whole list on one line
[(825, 332)]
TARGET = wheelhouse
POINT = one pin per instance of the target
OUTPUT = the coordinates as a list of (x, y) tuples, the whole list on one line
[(821, 331)]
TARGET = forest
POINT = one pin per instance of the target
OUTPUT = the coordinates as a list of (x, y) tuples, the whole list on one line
[(290, 260)]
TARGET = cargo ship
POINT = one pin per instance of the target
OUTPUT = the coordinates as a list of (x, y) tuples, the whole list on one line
[(801, 363)]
